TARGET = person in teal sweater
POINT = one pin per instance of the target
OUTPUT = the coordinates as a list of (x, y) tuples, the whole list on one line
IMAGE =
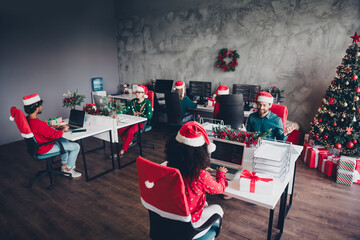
[(185, 101), (139, 106)]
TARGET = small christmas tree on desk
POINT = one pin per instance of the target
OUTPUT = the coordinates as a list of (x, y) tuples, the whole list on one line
[(337, 123)]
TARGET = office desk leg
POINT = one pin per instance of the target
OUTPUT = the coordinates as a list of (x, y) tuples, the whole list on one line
[(282, 212), (271, 216), (292, 192), (84, 159), (140, 144)]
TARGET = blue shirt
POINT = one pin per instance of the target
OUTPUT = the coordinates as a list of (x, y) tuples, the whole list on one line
[(262, 125)]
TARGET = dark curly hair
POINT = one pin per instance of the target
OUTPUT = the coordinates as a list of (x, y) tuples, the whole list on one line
[(189, 160), (29, 109)]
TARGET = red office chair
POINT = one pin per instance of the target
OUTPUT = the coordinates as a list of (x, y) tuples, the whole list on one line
[(163, 194), (33, 146), (281, 111)]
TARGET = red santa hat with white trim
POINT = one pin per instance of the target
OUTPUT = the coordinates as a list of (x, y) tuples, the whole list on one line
[(222, 90), (180, 85), (264, 97), (21, 122), (193, 134), (33, 98), (143, 89)]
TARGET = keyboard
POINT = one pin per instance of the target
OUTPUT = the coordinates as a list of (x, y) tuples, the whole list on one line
[(230, 170)]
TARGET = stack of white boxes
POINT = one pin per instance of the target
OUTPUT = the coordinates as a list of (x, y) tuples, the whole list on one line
[(272, 158)]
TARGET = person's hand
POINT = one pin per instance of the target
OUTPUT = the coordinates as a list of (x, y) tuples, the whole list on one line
[(65, 128), (223, 169), (195, 101), (209, 169), (288, 130), (243, 128)]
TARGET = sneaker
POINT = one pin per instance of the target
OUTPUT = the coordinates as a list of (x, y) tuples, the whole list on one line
[(73, 173), (64, 167)]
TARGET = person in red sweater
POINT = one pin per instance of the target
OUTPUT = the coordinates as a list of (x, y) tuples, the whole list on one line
[(189, 151), (43, 133)]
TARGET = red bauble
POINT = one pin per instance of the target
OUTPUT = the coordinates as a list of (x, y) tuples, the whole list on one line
[(357, 90), (314, 121), (350, 145), (326, 137), (354, 77), (338, 146), (316, 136), (320, 120), (354, 141), (332, 82), (334, 124), (358, 110)]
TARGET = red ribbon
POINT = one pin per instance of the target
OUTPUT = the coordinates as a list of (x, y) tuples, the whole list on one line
[(253, 179)]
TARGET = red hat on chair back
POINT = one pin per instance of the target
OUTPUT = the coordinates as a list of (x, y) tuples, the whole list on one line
[(264, 97), (162, 190), (33, 98), (143, 89), (222, 90), (21, 122), (193, 134)]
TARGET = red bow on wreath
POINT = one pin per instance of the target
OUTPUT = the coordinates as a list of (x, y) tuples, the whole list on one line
[(220, 63)]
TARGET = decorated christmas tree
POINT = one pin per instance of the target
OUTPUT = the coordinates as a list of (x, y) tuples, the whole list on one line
[(337, 122)]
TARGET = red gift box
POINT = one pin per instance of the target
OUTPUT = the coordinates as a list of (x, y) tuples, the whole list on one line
[(310, 154), (357, 172), (322, 157), (328, 167)]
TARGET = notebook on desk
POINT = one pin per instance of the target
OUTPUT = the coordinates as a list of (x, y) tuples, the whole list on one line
[(76, 119), (228, 154)]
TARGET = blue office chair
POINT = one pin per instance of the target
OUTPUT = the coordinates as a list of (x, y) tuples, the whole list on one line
[(33, 146), (163, 194)]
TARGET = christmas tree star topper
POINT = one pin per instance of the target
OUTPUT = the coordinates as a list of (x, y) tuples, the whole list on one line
[(356, 38)]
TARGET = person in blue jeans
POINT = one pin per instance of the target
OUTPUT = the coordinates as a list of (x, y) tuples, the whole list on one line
[(43, 133), (185, 101)]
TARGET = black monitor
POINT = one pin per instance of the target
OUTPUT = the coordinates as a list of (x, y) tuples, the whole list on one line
[(249, 92), (231, 110), (163, 86), (201, 89)]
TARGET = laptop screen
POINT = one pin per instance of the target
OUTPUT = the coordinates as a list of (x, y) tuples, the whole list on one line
[(76, 118), (228, 153)]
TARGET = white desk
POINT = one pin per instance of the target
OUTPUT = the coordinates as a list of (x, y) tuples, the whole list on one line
[(126, 97), (91, 130)]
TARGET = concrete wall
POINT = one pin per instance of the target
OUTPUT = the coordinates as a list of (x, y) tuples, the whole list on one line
[(293, 44), (49, 47)]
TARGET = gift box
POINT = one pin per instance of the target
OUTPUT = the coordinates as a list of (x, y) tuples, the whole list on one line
[(54, 121), (310, 154), (328, 167), (345, 170), (211, 102), (256, 183)]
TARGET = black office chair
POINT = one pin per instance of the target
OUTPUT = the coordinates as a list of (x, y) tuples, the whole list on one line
[(33, 146), (231, 110), (174, 111)]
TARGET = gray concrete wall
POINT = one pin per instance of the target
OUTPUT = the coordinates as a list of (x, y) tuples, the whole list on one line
[(49, 47), (293, 44)]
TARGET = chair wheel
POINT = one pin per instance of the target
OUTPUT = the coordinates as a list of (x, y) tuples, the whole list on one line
[(29, 185), (50, 187)]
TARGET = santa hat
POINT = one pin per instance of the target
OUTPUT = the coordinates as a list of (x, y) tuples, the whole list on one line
[(180, 85), (143, 89), (33, 98), (264, 97), (193, 134), (21, 122), (222, 90)]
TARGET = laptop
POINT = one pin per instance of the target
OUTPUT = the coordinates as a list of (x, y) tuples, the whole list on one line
[(76, 119), (99, 102), (228, 154)]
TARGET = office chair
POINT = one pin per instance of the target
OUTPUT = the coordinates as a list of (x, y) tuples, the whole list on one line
[(147, 125), (163, 194), (281, 111), (231, 110), (33, 146), (174, 111)]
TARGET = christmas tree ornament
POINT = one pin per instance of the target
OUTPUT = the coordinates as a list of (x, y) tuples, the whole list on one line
[(356, 98), (357, 54), (358, 110), (348, 130), (321, 130), (334, 124), (347, 83), (331, 114), (354, 141), (344, 115), (357, 90), (354, 77), (342, 120), (338, 146), (356, 38), (350, 145), (325, 137), (316, 136), (324, 108), (345, 104), (354, 119), (347, 69), (320, 120)]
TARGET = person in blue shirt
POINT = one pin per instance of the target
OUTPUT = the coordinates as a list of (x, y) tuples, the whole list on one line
[(185, 101), (263, 120)]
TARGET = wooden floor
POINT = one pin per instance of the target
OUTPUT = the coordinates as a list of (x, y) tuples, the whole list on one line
[(109, 207)]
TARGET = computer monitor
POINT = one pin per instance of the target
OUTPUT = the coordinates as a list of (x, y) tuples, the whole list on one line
[(202, 89), (249, 92), (163, 86), (76, 119)]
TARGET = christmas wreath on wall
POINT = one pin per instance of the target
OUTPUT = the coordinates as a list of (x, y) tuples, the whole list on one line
[(231, 66)]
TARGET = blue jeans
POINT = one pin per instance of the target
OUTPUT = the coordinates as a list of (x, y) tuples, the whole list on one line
[(187, 119), (72, 149)]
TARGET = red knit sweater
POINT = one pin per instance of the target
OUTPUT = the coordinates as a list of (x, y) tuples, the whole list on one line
[(43, 133)]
